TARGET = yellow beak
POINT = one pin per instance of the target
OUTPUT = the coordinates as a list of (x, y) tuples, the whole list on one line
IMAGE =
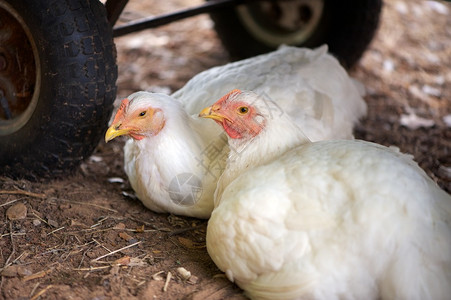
[(113, 132), (209, 113)]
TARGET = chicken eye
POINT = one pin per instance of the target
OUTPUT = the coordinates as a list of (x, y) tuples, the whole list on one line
[(142, 114), (243, 110)]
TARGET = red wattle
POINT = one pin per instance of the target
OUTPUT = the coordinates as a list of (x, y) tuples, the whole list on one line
[(233, 133)]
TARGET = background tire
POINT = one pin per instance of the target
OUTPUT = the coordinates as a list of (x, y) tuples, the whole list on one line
[(58, 92), (346, 26)]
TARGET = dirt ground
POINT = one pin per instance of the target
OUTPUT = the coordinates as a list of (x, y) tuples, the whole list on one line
[(86, 237)]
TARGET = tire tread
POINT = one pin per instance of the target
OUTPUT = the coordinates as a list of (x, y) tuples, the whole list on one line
[(78, 90)]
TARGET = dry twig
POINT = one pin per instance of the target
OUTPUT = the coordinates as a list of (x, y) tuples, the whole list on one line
[(91, 268), (99, 222), (182, 230), (100, 244), (53, 231), (39, 218), (21, 192), (87, 203), (166, 283), (13, 234), (34, 289), (9, 202), (115, 251), (24, 253), (37, 275), (146, 223), (41, 292), (13, 251)]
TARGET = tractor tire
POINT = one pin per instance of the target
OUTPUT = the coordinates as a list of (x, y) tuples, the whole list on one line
[(347, 27), (57, 84)]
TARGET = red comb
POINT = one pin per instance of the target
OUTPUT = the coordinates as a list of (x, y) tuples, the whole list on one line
[(121, 110), (226, 96)]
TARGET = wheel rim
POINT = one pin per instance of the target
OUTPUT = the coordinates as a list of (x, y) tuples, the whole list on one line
[(289, 22), (19, 76)]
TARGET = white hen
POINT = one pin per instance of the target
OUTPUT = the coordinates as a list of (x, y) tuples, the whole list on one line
[(326, 220), (173, 162)]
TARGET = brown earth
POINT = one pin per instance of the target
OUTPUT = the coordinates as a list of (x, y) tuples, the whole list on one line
[(65, 246)]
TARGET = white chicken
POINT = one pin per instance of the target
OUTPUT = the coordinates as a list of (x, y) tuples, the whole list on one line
[(173, 161), (342, 219)]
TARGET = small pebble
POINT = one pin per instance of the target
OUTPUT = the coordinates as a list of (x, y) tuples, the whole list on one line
[(119, 226), (52, 223), (36, 222), (17, 212), (132, 241), (388, 65), (95, 158), (22, 271), (184, 273), (10, 271), (125, 236), (76, 223), (64, 206), (16, 270)]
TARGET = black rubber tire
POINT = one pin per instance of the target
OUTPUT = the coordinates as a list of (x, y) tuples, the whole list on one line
[(78, 76), (346, 26)]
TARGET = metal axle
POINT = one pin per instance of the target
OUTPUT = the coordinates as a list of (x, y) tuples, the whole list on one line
[(175, 16)]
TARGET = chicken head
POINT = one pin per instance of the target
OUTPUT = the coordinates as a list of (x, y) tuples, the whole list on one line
[(237, 113), (135, 120)]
